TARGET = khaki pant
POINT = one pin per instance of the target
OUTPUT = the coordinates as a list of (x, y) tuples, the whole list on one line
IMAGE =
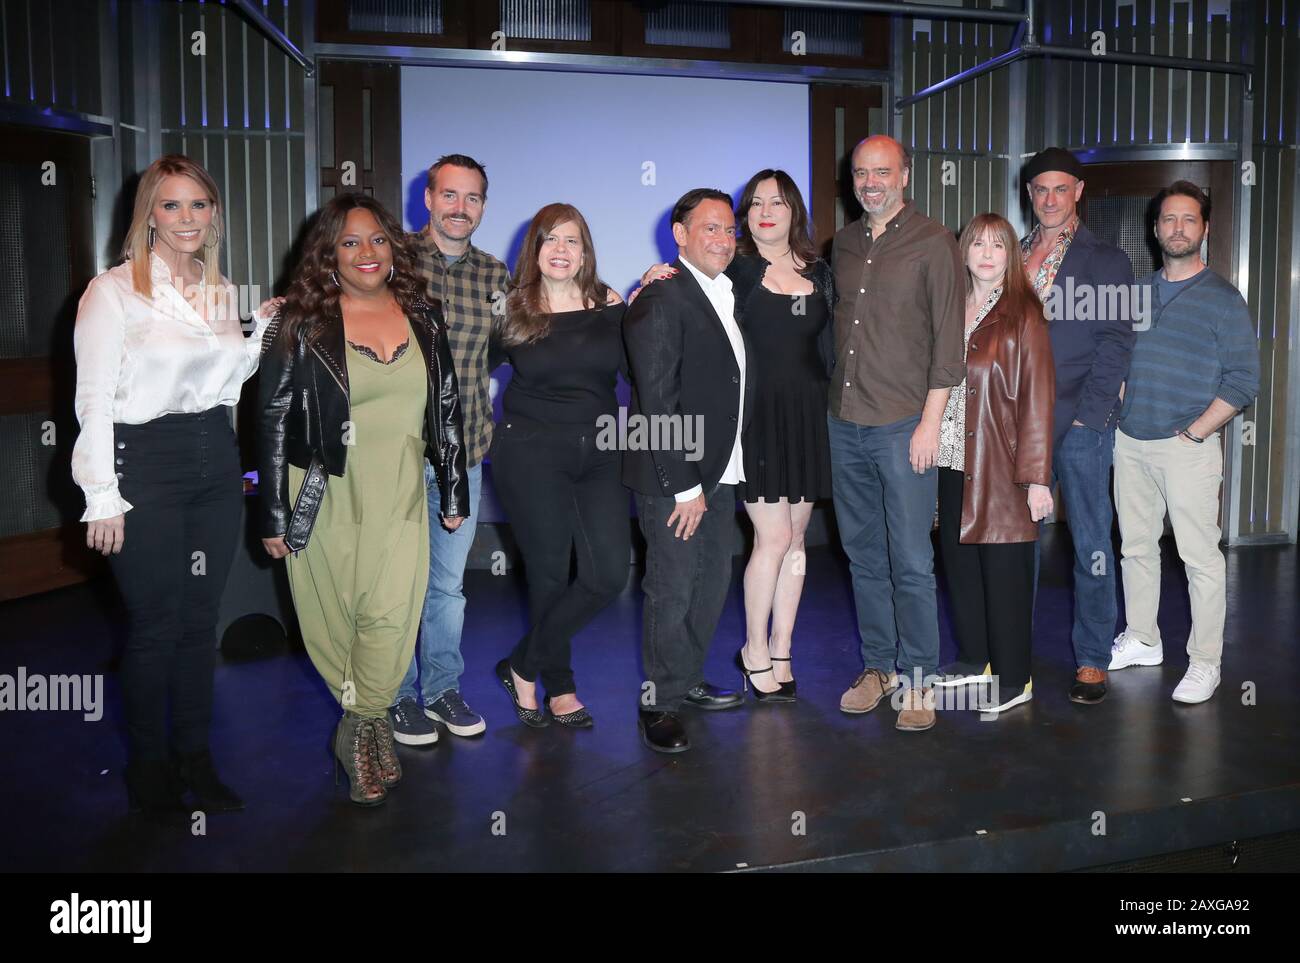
[(1184, 478)]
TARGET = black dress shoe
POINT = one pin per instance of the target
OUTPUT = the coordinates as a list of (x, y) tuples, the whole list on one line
[(153, 789), (196, 772), (1089, 686), (705, 696), (662, 731)]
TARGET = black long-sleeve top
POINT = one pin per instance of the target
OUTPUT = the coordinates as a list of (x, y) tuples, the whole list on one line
[(567, 377)]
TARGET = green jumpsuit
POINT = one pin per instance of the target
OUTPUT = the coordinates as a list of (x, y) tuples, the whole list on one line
[(359, 585)]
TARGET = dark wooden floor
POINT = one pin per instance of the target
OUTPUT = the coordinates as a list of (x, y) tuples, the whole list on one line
[(797, 786)]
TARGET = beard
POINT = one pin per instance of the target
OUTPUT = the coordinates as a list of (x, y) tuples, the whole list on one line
[(1180, 247)]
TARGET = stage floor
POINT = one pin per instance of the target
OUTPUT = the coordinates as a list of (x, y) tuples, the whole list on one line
[(799, 786)]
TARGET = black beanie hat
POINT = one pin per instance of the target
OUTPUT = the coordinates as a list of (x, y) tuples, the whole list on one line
[(1053, 159)]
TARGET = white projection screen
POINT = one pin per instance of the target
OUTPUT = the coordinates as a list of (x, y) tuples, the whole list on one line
[(587, 139)]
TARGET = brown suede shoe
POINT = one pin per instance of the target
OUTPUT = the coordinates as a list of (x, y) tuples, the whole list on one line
[(1089, 686), (867, 691), (917, 712)]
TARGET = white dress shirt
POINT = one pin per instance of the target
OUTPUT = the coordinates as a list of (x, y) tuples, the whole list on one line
[(141, 358), (718, 290)]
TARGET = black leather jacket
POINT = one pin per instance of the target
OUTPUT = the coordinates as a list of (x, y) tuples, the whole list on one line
[(303, 400)]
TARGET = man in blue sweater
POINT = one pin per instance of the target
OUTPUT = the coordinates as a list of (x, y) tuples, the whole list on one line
[(1193, 369), (1086, 286)]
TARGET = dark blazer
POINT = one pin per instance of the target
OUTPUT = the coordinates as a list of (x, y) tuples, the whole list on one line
[(1091, 357), (303, 399), (746, 273), (681, 364)]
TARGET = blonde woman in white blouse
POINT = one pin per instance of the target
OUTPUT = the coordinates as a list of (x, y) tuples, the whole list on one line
[(161, 357)]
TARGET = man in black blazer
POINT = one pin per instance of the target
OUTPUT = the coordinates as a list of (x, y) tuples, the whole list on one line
[(686, 353)]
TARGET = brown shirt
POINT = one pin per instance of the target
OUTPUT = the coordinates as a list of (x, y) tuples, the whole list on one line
[(898, 318)]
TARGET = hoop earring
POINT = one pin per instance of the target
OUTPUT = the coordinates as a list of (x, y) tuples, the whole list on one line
[(335, 278), (392, 272), (152, 234)]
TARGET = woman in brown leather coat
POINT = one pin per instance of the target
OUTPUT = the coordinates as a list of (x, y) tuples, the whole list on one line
[(995, 467)]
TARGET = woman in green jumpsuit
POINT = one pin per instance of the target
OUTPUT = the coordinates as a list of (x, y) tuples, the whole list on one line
[(360, 387)]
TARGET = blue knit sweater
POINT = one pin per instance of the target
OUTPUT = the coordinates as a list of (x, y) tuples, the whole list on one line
[(1200, 346)]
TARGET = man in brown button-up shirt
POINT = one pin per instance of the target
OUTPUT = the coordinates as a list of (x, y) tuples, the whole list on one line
[(898, 352)]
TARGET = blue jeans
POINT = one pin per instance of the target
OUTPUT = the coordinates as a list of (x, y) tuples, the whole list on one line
[(885, 512), (437, 660), (1082, 465)]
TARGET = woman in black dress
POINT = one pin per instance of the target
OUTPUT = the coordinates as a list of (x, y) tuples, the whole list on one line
[(562, 334), (784, 297)]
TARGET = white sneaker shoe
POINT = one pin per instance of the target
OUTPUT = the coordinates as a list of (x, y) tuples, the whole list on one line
[(1010, 699), (1128, 650), (1198, 684)]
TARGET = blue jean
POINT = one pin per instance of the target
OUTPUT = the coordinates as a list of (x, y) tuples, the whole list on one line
[(885, 512), (1082, 465), (437, 661)]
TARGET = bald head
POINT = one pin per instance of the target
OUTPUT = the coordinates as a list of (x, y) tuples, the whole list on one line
[(880, 176)]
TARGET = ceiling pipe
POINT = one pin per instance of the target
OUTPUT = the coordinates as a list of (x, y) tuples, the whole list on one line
[(272, 32), (923, 11)]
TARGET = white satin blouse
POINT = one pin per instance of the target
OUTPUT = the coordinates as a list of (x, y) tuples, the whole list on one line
[(141, 358)]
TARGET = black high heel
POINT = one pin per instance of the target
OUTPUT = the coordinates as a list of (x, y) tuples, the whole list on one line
[(788, 688), (535, 718), (778, 696)]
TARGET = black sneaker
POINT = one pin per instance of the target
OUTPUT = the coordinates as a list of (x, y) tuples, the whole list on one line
[(410, 727), (450, 709)]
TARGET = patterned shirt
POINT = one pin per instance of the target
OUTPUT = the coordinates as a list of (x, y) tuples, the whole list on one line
[(467, 290), (1046, 274), (952, 430)]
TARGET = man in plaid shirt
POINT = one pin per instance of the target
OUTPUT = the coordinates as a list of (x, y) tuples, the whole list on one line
[(468, 284)]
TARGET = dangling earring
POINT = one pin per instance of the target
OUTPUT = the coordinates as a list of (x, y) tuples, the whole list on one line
[(392, 271), (152, 234)]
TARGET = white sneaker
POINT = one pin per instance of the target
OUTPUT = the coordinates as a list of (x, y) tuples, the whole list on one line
[(1009, 699), (1198, 684), (1128, 650)]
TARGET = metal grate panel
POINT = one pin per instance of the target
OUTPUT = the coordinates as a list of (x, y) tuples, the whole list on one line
[(27, 464), (688, 25), (546, 19), (35, 257), (830, 32), (395, 16), (1123, 221)]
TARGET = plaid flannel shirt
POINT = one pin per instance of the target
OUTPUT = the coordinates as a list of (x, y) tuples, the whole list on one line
[(466, 292)]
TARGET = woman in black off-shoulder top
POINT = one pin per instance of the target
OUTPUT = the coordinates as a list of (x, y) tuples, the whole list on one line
[(562, 334)]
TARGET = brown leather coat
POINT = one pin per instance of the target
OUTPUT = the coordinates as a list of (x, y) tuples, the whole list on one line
[(1010, 390)]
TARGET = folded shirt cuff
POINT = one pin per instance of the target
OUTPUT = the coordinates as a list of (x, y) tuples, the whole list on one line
[(690, 494), (106, 505)]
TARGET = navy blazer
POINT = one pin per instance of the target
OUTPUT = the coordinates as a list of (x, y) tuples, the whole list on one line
[(1091, 356), (682, 364)]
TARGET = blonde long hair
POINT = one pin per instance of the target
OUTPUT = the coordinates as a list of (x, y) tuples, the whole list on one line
[(136, 246)]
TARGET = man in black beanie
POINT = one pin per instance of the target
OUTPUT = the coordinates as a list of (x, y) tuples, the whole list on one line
[(1085, 285)]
